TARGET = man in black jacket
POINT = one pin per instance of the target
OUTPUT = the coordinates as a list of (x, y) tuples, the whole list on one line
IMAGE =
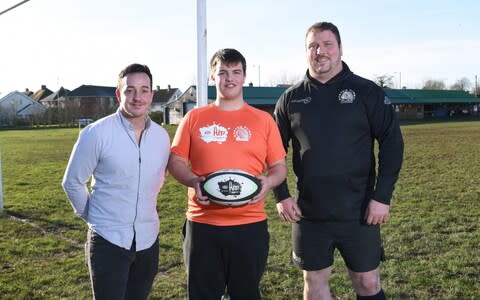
[(333, 118)]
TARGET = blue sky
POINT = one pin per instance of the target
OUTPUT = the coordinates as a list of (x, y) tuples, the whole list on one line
[(69, 43)]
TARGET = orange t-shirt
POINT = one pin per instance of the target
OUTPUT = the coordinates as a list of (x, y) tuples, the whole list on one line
[(212, 139)]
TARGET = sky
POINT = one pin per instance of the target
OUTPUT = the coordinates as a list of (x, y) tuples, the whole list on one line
[(73, 42)]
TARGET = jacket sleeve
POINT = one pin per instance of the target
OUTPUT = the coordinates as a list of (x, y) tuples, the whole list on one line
[(281, 192), (385, 129)]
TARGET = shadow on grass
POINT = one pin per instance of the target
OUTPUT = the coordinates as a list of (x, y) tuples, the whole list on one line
[(52, 228)]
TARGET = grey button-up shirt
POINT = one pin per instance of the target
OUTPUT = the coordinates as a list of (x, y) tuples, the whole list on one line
[(126, 178)]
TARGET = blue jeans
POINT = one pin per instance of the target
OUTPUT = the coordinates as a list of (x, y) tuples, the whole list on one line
[(117, 273)]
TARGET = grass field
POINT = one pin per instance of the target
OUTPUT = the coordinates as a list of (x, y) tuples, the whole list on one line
[(432, 240)]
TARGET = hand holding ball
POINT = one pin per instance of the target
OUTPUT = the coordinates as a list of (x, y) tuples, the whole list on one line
[(230, 187)]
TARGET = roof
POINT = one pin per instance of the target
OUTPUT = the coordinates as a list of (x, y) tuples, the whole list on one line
[(187, 96), (163, 95), (62, 92), (92, 91), (16, 94), (255, 95), (22, 103), (411, 96), (41, 93)]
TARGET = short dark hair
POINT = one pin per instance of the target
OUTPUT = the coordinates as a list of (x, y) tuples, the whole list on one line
[(322, 26), (228, 56), (134, 68)]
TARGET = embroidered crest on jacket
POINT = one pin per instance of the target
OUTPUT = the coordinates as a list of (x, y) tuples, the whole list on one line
[(346, 96)]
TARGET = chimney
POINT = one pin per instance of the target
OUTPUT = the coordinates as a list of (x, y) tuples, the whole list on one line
[(158, 88), (169, 87), (44, 87)]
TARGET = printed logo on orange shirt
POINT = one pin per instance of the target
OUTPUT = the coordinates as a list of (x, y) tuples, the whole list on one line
[(214, 133), (242, 134)]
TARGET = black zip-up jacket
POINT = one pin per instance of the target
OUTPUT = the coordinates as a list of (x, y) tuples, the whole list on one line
[(333, 127)]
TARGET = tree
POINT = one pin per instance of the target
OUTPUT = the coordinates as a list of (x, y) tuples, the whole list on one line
[(384, 81), (476, 91), (433, 84), (463, 84)]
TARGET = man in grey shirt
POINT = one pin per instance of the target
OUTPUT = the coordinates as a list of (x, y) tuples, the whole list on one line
[(125, 154)]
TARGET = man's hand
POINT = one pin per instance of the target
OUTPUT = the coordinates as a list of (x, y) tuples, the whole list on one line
[(376, 213), (288, 210), (276, 174), (195, 183), (265, 188)]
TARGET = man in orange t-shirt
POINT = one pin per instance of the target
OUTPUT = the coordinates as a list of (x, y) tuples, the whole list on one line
[(226, 246)]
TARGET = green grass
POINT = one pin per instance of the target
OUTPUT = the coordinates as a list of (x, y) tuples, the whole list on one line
[(431, 240)]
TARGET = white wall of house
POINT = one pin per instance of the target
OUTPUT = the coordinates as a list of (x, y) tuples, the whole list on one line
[(18, 105)]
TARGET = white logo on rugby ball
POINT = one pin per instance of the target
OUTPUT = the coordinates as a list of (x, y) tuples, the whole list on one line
[(231, 187)]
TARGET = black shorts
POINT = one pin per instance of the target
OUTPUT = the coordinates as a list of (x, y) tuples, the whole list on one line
[(314, 244), (225, 256)]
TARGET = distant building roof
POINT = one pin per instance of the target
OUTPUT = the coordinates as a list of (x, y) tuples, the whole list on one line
[(62, 92), (414, 96), (41, 93), (92, 91), (163, 95), (253, 95), (21, 104)]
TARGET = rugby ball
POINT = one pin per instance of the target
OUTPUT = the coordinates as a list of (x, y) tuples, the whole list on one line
[(230, 187)]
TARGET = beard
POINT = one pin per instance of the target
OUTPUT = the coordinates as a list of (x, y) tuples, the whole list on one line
[(321, 65)]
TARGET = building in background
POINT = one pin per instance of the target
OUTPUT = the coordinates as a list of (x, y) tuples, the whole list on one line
[(56, 99), (162, 96), (41, 93), (16, 108), (91, 101), (410, 104)]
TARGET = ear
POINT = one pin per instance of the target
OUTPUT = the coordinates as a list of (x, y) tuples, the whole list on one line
[(117, 94), (211, 77)]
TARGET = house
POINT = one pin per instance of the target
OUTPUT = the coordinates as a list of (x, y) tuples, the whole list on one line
[(408, 103), (56, 99), (94, 102), (175, 109), (16, 106), (162, 96), (41, 93), (91, 101)]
